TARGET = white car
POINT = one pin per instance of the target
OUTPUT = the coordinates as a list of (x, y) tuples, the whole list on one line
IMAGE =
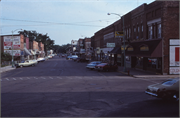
[(26, 63), (41, 59)]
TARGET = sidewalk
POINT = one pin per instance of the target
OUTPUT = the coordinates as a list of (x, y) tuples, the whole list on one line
[(6, 68), (143, 74)]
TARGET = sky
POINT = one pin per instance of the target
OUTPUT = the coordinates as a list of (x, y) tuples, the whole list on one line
[(62, 20)]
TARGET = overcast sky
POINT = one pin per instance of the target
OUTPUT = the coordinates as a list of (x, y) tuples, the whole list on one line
[(63, 20)]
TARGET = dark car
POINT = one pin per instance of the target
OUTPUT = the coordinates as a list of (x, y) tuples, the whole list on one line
[(82, 59), (168, 89), (106, 67)]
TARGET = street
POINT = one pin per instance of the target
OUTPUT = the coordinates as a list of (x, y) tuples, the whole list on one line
[(64, 88)]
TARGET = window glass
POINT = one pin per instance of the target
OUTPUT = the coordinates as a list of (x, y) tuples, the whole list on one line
[(159, 30), (169, 82)]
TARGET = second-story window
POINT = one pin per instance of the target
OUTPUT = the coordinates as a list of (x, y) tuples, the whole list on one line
[(150, 32), (159, 30), (142, 28), (129, 32)]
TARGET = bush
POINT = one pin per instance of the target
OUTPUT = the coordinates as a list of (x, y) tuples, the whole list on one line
[(5, 57)]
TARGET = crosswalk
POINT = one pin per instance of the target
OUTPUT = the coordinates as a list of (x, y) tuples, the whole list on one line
[(62, 78)]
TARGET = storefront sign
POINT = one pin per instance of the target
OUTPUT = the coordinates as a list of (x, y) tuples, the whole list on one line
[(144, 48), (130, 49), (110, 45), (119, 34)]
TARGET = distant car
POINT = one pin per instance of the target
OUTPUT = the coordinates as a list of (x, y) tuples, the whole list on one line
[(71, 57), (49, 56), (26, 63), (41, 59), (62, 55), (106, 67), (92, 65), (168, 89)]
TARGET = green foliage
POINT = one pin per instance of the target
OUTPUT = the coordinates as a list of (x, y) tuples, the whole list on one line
[(6, 57)]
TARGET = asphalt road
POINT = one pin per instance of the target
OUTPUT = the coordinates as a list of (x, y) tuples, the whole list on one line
[(63, 88)]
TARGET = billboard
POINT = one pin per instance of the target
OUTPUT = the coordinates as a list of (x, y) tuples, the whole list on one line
[(8, 42), (174, 47)]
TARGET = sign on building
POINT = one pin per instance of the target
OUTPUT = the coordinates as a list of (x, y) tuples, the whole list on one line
[(15, 52), (174, 49), (110, 45), (119, 34)]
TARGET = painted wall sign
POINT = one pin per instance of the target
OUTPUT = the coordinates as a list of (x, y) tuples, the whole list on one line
[(144, 48)]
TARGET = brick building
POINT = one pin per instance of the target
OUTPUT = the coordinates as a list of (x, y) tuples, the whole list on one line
[(148, 30)]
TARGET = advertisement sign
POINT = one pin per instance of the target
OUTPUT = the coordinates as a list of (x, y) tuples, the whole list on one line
[(174, 70), (174, 47), (8, 41), (15, 52)]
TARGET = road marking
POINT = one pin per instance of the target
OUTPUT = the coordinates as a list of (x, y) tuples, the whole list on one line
[(21, 78), (59, 77), (14, 79), (35, 78), (7, 79), (50, 77), (43, 77), (28, 78), (1, 79)]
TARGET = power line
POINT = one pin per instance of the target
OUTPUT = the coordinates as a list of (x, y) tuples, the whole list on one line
[(52, 23)]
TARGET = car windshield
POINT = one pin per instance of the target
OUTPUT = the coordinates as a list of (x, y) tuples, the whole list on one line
[(169, 82)]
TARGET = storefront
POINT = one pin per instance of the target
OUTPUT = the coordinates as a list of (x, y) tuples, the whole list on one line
[(146, 55)]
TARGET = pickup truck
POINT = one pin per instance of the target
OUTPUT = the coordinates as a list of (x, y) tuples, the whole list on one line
[(26, 63)]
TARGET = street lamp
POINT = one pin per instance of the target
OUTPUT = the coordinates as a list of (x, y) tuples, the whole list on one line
[(13, 47), (123, 39)]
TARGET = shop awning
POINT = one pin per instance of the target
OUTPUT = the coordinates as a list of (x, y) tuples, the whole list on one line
[(32, 52), (26, 51), (116, 50), (149, 48)]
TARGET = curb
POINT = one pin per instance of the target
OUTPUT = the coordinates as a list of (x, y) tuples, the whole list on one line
[(126, 73)]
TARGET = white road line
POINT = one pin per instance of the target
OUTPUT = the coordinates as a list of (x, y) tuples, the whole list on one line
[(59, 77), (7, 79), (43, 78), (50, 77), (28, 78), (14, 79), (35, 78), (1, 79), (21, 78)]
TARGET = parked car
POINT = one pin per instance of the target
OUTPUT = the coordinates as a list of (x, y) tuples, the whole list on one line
[(71, 57), (92, 65), (82, 59), (46, 58), (168, 89), (26, 63), (49, 56), (106, 67), (41, 59), (62, 55)]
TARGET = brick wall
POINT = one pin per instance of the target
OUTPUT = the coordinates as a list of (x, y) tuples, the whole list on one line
[(170, 28)]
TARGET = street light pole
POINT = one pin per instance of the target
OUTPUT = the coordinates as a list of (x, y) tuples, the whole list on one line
[(13, 47), (123, 40)]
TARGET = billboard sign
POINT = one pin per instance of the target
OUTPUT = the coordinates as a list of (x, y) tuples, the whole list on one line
[(8, 41)]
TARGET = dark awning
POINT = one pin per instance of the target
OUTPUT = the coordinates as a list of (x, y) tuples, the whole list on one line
[(149, 48), (116, 50)]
